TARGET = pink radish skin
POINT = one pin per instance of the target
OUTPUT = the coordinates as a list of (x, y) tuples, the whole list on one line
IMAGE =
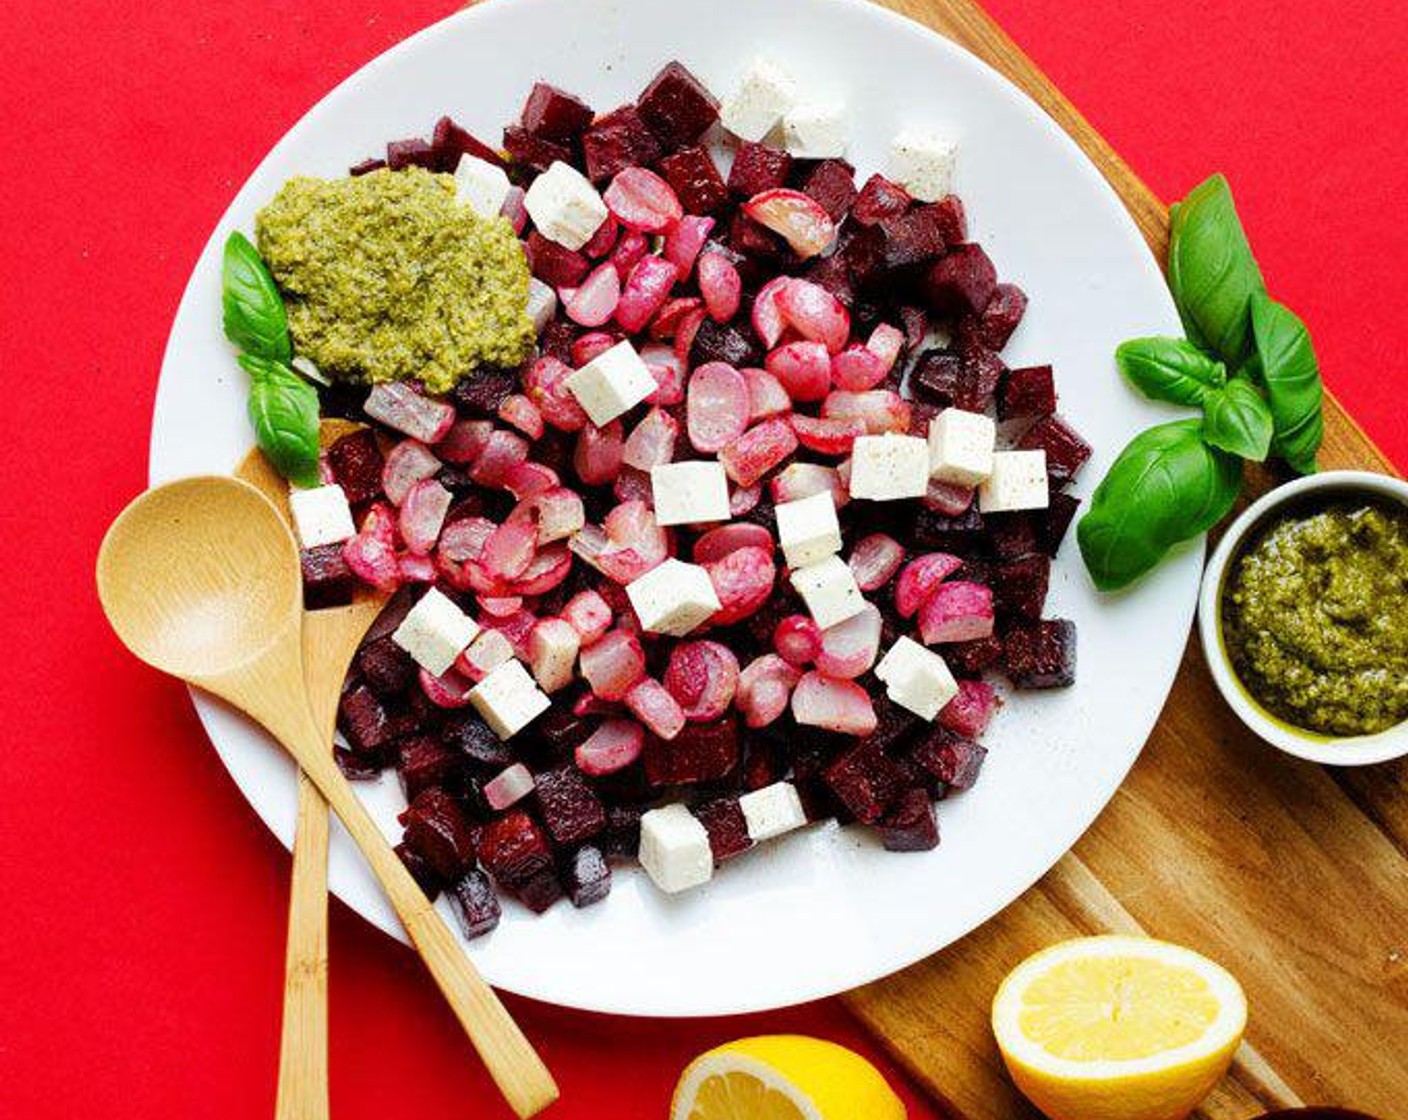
[(646, 290), (947, 498), (485, 654), (447, 691), (590, 345), (518, 411), (556, 514), (632, 247), (633, 485), (836, 705), (652, 441), (651, 703), (766, 396), (886, 343), (768, 323), (598, 454), (959, 611), (801, 480), (802, 368), (500, 606), (758, 450), (849, 648), (720, 285), (702, 676), (717, 543), (588, 614), (548, 568), (643, 201), (594, 301), (826, 436), (407, 463), (528, 480), (742, 580), (545, 384), (815, 314), (510, 548), (879, 410), (464, 441), (743, 499), (764, 688), (797, 639), (920, 577), (668, 372), (603, 240), (416, 569), (857, 367), (874, 560), (503, 451), (423, 515), (716, 406), (508, 787), (684, 241), (611, 747)]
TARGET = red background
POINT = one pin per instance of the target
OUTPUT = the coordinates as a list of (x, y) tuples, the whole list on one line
[(141, 964)]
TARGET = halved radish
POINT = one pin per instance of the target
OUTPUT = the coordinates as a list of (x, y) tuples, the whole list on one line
[(766, 395), (397, 405), (598, 454), (768, 323), (947, 498), (632, 246), (545, 383), (502, 452), (548, 568), (449, 690), (801, 480), (556, 513), (874, 560), (815, 313), (652, 441), (758, 450), (956, 612), (588, 614), (797, 639), (802, 368), (642, 200), (508, 787), (510, 548), (716, 406), (647, 288), (651, 703), (969, 713), (407, 463), (702, 676), (423, 515), (828, 437), (716, 543), (920, 577), (836, 705), (743, 580), (849, 648), (684, 240), (587, 346), (464, 441), (886, 343), (528, 480), (743, 499), (720, 285), (485, 654), (764, 687), (611, 747), (523, 414), (594, 301), (858, 367), (796, 217), (879, 410)]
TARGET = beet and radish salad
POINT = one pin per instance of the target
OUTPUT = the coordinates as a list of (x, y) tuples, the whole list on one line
[(800, 324)]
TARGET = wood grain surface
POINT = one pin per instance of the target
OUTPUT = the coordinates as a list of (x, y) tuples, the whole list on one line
[(1293, 876)]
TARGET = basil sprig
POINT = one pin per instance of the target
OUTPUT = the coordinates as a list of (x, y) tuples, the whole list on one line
[(283, 408), (1180, 479), (1168, 485)]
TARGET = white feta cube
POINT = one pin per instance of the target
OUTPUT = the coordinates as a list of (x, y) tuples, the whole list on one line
[(509, 699), (889, 466), (613, 382), (764, 94), (916, 678), (542, 304), (689, 493), (552, 653), (772, 810), (808, 529), (321, 515), (816, 130), (481, 185), (673, 598), (564, 206), (435, 632), (674, 849), (829, 589), (1018, 481), (922, 163), (961, 446)]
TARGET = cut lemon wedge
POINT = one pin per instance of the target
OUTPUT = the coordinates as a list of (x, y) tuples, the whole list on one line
[(1118, 1028), (783, 1077)]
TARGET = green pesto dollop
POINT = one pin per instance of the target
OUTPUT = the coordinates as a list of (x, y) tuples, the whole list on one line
[(1315, 616), (388, 276)]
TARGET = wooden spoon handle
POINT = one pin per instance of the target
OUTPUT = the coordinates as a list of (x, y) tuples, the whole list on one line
[(515, 1067), (303, 1046)]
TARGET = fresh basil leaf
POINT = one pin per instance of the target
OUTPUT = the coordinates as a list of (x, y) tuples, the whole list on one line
[(1166, 486), (1237, 420), (1291, 374), (1170, 369), (1211, 270), (284, 411), (255, 319)]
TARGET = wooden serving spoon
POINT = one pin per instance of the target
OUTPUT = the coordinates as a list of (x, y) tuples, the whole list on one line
[(200, 579), (330, 640)]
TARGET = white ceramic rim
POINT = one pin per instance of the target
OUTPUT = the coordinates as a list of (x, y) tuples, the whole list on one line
[(1358, 750)]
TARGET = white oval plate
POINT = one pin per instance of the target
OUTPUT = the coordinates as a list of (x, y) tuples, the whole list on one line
[(827, 909)]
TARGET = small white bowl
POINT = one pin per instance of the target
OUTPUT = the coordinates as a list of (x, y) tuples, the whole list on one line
[(1357, 750)]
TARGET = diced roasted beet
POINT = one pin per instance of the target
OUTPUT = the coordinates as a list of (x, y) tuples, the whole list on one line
[(570, 808), (539, 892), (370, 723), (414, 152), (752, 241), (356, 461), (677, 106), (1040, 654), (1019, 586), (878, 201), (467, 732), (961, 281), (968, 659), (937, 376), (723, 820), (618, 140), (695, 178), (1066, 451), (586, 876), (911, 238), (702, 752), (622, 836), (1014, 534), (977, 384), (910, 825), (865, 780), (425, 876), (424, 763), (513, 849), (437, 828), (1059, 513), (961, 535), (366, 167), (554, 114), (536, 152), (484, 391), (993, 326), (1027, 394), (327, 580), (763, 761), (556, 338), (833, 274), (357, 767), (952, 759), (563, 731), (894, 724), (832, 183), (450, 142), (953, 217), (554, 264), (475, 904), (757, 168), (385, 667), (723, 342)]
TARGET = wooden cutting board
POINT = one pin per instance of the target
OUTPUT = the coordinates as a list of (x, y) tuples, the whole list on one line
[(1293, 876)]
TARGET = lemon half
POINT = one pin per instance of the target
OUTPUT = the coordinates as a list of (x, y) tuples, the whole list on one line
[(783, 1077), (1118, 1028)]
